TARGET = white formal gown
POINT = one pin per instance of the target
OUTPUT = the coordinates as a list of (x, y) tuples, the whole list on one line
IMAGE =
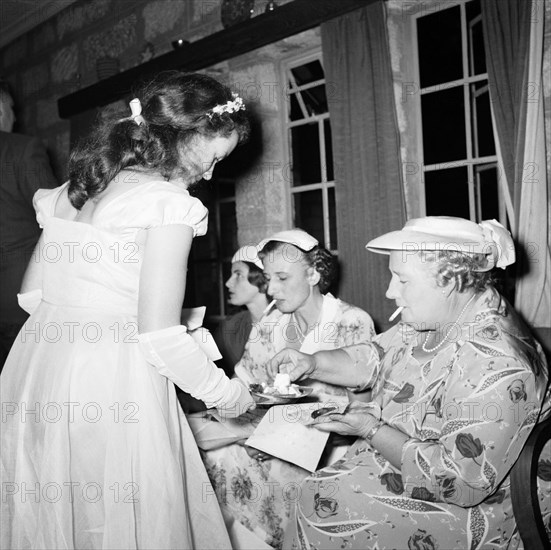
[(96, 452)]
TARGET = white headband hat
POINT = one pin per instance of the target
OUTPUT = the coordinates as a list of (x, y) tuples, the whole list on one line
[(296, 237), (248, 253), (443, 233)]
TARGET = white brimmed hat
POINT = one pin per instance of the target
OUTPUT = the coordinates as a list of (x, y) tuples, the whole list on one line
[(443, 233), (248, 253), (296, 237)]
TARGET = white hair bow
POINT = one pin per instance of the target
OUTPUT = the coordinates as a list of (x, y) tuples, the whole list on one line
[(136, 108), (501, 242)]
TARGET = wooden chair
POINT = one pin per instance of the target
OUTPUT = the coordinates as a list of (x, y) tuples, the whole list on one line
[(524, 490)]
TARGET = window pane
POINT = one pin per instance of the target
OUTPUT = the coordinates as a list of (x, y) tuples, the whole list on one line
[(332, 219), (477, 59), (487, 193), (228, 229), (443, 126), (205, 246), (296, 112), (439, 41), (226, 189), (482, 123), (306, 154), (207, 284), (315, 100), (309, 212), (309, 103), (447, 192), (310, 72), (328, 150)]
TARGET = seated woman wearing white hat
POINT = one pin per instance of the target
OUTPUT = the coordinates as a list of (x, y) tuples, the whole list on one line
[(307, 317), (246, 288), (461, 384)]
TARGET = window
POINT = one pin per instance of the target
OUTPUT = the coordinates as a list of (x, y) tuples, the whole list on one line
[(210, 261), (308, 128), (459, 161)]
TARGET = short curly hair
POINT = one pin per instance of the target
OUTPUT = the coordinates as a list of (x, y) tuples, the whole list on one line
[(461, 270), (256, 277), (319, 258)]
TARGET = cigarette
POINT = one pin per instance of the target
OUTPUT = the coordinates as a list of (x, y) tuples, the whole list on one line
[(395, 314), (269, 307)]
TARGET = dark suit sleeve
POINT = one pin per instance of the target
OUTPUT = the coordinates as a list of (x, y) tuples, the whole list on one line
[(35, 170)]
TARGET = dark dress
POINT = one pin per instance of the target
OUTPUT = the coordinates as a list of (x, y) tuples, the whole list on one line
[(231, 336)]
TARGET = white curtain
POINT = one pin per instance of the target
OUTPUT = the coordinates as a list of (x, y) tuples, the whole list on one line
[(533, 291)]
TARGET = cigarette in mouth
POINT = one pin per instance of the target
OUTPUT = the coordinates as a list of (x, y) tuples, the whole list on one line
[(395, 314), (269, 307)]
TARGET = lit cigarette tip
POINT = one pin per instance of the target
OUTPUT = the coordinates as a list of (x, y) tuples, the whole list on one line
[(395, 314), (269, 307)]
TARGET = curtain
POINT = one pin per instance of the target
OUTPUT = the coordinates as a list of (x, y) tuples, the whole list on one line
[(513, 34), (366, 152)]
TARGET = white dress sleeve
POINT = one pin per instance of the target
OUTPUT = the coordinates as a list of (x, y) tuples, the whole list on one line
[(167, 204), (44, 201)]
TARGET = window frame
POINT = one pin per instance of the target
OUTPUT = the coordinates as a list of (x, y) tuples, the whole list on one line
[(286, 65), (214, 203), (471, 162)]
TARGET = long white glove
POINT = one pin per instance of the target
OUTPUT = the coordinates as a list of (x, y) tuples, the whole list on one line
[(177, 356), (29, 300)]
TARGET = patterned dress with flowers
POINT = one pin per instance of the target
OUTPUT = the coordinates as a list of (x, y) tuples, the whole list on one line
[(260, 495), (468, 412)]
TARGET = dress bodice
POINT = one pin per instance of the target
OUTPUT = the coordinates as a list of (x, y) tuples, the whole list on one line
[(98, 266)]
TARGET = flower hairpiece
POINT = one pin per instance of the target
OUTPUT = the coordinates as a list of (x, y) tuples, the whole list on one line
[(136, 108), (232, 106)]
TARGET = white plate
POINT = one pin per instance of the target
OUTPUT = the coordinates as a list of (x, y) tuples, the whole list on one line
[(278, 398)]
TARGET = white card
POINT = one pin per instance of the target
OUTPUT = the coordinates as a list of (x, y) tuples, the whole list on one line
[(283, 433)]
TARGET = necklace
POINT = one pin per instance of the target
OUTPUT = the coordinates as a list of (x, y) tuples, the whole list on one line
[(434, 348)]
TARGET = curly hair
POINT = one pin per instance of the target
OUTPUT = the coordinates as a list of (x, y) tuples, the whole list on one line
[(175, 107), (319, 258), (256, 277), (461, 270)]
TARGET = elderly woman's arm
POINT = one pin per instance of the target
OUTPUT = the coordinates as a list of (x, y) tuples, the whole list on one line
[(363, 420), (353, 362), (354, 367)]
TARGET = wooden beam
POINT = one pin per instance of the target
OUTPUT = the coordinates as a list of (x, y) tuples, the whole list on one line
[(284, 21)]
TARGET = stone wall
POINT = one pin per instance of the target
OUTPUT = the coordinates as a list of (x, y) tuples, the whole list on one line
[(59, 57)]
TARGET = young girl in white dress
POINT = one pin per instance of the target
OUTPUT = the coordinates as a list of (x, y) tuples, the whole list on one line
[(96, 452)]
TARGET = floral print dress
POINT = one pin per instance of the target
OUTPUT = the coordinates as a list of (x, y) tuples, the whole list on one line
[(260, 495), (468, 411)]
